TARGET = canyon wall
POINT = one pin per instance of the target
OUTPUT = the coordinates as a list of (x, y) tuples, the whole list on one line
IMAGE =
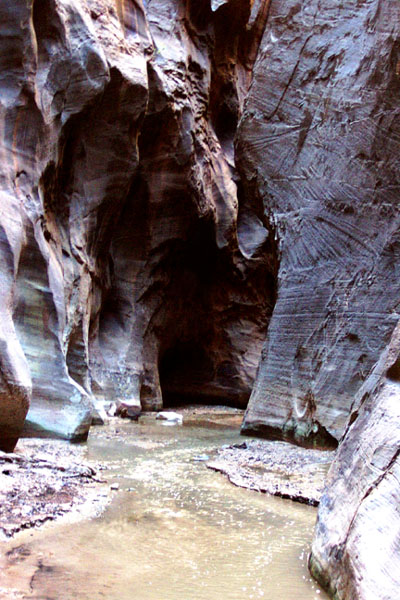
[(187, 186), (355, 552), (319, 145), (127, 252)]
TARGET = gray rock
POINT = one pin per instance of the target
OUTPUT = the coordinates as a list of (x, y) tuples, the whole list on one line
[(355, 552), (318, 149), (201, 458), (276, 468), (170, 417)]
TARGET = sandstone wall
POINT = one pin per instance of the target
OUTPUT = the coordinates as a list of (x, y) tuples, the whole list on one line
[(318, 145), (185, 181), (355, 553), (119, 209)]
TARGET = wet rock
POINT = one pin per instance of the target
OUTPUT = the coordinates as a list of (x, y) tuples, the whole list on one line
[(276, 468), (44, 481), (201, 458), (129, 409), (170, 417), (355, 548), (320, 163), (111, 409)]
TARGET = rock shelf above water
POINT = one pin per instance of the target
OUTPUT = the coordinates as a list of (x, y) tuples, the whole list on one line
[(46, 480), (276, 468)]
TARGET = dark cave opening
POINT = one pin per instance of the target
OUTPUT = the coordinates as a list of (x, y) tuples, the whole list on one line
[(199, 327), (182, 371), (212, 326), (188, 376)]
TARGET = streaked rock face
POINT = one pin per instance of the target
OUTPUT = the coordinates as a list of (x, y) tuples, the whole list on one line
[(119, 199), (319, 146), (355, 551)]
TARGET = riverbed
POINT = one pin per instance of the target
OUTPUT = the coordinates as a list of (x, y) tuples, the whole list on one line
[(174, 530)]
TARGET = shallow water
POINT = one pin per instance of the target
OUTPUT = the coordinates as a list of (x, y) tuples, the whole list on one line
[(174, 531)]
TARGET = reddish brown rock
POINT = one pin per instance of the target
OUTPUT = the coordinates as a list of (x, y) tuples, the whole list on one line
[(121, 210), (68, 72)]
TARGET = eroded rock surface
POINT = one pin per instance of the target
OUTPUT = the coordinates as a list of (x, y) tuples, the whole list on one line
[(356, 549), (44, 481), (143, 253), (318, 146), (119, 199)]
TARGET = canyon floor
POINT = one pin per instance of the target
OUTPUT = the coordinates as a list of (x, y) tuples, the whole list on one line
[(167, 509), (47, 480)]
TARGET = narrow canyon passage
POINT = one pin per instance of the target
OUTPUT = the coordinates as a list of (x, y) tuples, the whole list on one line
[(174, 530)]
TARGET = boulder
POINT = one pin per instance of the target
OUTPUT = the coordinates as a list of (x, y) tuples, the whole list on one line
[(170, 417)]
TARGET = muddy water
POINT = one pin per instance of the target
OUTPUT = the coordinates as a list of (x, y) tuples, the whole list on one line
[(174, 531)]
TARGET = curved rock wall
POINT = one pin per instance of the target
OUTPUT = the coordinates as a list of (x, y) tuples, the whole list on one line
[(120, 208)]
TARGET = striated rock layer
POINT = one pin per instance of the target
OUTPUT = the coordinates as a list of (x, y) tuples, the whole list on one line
[(318, 148), (356, 549), (126, 253)]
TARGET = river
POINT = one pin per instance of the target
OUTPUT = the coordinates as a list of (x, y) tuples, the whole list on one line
[(174, 530)]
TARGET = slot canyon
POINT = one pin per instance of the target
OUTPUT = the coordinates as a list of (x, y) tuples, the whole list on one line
[(199, 205)]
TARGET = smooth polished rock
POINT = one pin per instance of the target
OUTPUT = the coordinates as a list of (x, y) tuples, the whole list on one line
[(59, 165), (123, 276), (355, 552)]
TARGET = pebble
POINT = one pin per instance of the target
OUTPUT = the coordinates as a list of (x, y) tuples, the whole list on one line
[(201, 457)]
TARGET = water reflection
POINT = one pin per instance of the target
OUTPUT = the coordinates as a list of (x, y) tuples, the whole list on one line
[(175, 530)]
